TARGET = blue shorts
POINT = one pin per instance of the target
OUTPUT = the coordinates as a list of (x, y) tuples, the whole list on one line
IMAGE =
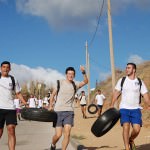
[(133, 116), (64, 117)]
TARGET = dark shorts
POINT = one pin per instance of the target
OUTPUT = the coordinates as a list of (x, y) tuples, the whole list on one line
[(64, 117), (82, 104), (8, 116), (18, 110), (100, 106), (133, 116)]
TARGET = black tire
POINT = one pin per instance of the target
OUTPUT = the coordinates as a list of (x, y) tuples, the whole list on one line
[(103, 124), (38, 114), (91, 106)]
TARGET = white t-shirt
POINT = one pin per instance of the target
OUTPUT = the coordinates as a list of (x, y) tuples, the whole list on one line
[(40, 103), (130, 93), (100, 99), (32, 102), (46, 101), (82, 100), (6, 92), (17, 103)]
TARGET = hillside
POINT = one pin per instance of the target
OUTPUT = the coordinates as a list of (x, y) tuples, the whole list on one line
[(143, 71)]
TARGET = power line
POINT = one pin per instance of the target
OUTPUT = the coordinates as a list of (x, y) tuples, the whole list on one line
[(98, 22)]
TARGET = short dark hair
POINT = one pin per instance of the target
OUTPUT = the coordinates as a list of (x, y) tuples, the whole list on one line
[(98, 90), (133, 64), (70, 69), (82, 91), (5, 62)]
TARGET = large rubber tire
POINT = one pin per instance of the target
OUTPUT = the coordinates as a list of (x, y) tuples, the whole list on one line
[(107, 120), (92, 106), (38, 114)]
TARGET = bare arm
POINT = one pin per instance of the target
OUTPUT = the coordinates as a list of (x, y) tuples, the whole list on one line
[(20, 97), (147, 99), (85, 79), (51, 107), (114, 98)]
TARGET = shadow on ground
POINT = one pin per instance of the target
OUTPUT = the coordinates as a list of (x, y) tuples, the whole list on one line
[(144, 147), (81, 147)]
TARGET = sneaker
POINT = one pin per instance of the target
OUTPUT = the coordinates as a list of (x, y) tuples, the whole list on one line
[(53, 147), (132, 145)]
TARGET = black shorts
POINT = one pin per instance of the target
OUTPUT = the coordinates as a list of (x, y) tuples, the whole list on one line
[(8, 116), (100, 106)]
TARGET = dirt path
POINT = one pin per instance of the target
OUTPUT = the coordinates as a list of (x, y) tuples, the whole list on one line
[(110, 141)]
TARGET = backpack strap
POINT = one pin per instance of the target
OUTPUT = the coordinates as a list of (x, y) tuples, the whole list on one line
[(122, 82), (12, 79), (13, 82), (74, 86), (58, 86), (140, 83)]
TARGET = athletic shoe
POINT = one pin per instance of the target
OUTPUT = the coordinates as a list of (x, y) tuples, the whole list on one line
[(132, 145), (53, 147)]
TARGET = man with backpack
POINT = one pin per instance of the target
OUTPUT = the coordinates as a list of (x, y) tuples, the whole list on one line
[(8, 85), (65, 91), (131, 88)]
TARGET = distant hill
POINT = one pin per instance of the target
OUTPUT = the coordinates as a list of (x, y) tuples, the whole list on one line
[(143, 71)]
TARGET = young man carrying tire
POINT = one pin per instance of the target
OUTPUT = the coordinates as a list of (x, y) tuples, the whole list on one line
[(63, 105), (8, 84), (129, 106)]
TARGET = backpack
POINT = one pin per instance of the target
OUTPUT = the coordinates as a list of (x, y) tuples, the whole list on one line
[(140, 83), (73, 84), (12, 79)]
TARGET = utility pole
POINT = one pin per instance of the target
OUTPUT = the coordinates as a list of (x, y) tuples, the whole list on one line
[(111, 45), (89, 90), (88, 70)]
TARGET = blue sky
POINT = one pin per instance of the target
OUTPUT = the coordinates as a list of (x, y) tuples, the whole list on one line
[(51, 35)]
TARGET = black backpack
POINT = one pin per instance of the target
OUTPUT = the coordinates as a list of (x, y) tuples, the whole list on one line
[(140, 83), (58, 86), (12, 79)]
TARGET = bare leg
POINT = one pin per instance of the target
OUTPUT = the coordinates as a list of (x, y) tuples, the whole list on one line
[(11, 137), (99, 112), (85, 111), (58, 134), (135, 132), (82, 109), (126, 129), (1, 132), (67, 130)]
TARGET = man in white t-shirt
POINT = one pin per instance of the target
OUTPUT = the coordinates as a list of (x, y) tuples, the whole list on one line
[(8, 86), (129, 105), (45, 102), (99, 101), (83, 100), (40, 102), (32, 101)]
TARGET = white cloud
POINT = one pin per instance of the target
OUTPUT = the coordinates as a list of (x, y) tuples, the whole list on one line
[(83, 14), (25, 74), (61, 13), (135, 59)]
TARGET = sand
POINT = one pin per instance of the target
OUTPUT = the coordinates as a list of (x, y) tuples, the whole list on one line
[(112, 140)]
